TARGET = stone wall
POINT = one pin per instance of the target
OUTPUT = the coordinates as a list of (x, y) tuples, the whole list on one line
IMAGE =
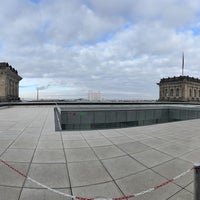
[(179, 89), (9, 83)]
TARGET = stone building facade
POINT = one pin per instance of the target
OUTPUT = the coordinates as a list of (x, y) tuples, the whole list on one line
[(9, 83), (182, 88)]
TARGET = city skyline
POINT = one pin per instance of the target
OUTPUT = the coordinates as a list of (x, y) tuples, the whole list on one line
[(121, 48)]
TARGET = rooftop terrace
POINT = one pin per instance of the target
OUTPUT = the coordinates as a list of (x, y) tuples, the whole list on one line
[(98, 163)]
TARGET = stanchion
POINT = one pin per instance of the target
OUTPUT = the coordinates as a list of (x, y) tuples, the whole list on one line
[(197, 181)]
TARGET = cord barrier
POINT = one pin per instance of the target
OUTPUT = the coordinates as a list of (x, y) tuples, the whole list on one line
[(82, 198)]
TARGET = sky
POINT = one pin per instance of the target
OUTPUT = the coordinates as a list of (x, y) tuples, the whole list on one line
[(121, 48)]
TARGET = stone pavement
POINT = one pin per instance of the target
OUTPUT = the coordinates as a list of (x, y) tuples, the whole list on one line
[(104, 163)]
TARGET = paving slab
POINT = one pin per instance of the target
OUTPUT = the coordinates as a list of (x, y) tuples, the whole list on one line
[(133, 147), (190, 187), (72, 137), (81, 154), (92, 135), (87, 173), (151, 158), (10, 178), (18, 155), (4, 143), (50, 136), (168, 137), (154, 142), (52, 175), (50, 144), (75, 144), (24, 143), (191, 141), (9, 193), (49, 156), (108, 152), (8, 136), (99, 142), (1, 151), (138, 137), (182, 195), (105, 190), (175, 149), (121, 140), (110, 133), (32, 137), (146, 180), (122, 166), (6, 125), (174, 168), (193, 156), (42, 194), (33, 130)]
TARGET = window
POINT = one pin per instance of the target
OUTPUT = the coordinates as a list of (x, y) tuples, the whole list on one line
[(195, 93), (166, 92), (199, 93), (171, 92), (177, 92), (190, 92)]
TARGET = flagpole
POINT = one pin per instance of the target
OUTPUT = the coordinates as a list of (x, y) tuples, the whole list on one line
[(183, 64)]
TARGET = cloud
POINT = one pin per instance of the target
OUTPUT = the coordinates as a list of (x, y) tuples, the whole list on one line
[(121, 48)]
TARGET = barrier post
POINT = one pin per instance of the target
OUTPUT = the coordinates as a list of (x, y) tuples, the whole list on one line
[(197, 181)]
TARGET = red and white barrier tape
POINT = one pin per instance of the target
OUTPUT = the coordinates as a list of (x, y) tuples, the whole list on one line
[(82, 198)]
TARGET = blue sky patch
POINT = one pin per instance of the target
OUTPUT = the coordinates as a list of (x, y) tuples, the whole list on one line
[(196, 31), (36, 1), (108, 36), (88, 4)]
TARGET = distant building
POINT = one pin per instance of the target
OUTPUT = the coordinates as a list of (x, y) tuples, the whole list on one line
[(182, 88), (94, 95), (9, 83)]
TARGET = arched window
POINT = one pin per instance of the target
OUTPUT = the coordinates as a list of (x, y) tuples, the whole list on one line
[(177, 92)]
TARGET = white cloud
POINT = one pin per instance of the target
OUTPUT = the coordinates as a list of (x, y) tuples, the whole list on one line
[(121, 48)]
